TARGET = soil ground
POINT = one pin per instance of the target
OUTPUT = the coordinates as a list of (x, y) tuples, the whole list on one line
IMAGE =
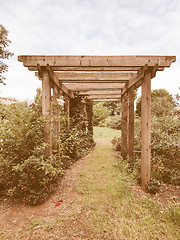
[(62, 216)]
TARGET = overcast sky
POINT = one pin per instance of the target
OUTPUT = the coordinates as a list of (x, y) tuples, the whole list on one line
[(89, 27)]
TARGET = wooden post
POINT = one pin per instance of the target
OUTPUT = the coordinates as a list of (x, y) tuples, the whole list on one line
[(146, 129), (124, 126), (130, 137), (46, 108), (56, 117), (90, 116), (66, 110)]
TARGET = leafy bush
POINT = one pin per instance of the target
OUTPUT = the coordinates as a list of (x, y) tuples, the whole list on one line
[(100, 113), (165, 148), (153, 186), (114, 122), (25, 173)]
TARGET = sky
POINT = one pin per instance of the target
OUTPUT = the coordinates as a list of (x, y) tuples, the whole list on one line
[(89, 27)]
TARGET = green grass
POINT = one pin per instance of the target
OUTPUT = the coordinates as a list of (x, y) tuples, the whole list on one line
[(114, 211), (104, 206), (103, 132)]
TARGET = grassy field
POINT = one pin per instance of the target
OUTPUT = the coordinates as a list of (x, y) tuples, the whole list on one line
[(98, 203), (103, 132)]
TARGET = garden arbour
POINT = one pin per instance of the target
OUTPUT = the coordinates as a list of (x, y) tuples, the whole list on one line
[(100, 78)]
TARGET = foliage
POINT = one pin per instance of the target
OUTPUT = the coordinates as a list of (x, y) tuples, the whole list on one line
[(114, 122), (25, 172), (162, 103), (113, 107), (165, 149), (100, 113), (153, 186), (4, 53)]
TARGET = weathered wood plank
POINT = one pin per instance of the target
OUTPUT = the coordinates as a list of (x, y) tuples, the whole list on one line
[(92, 86), (124, 108), (100, 61), (63, 88), (96, 69), (66, 110), (56, 118), (137, 78), (46, 106), (104, 96), (130, 137), (146, 129), (99, 91), (93, 76), (106, 100)]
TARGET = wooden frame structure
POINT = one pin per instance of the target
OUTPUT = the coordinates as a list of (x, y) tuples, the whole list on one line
[(102, 78)]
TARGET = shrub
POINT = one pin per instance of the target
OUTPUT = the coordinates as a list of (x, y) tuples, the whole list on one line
[(25, 174), (114, 122), (165, 148), (100, 113)]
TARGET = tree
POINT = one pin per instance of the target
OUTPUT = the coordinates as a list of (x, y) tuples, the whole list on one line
[(162, 103), (4, 53)]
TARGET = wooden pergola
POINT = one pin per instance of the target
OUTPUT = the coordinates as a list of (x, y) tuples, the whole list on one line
[(102, 78)]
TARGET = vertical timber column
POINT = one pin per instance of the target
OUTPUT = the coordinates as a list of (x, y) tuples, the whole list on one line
[(124, 126), (56, 117), (130, 136), (90, 116), (66, 110), (46, 109), (146, 129)]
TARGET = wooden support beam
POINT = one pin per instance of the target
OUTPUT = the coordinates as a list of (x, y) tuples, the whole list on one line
[(89, 118), (96, 61), (135, 79), (63, 88), (46, 109), (56, 117), (124, 108), (130, 137), (93, 86), (146, 129), (67, 111), (94, 76), (85, 101)]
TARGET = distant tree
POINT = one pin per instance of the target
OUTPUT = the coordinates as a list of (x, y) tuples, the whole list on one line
[(162, 103), (4, 53), (100, 113)]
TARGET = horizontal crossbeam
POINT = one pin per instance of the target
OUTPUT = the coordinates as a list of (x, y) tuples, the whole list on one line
[(93, 86), (96, 61)]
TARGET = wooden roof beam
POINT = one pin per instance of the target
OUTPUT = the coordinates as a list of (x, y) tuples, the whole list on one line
[(104, 97), (92, 69), (96, 61), (99, 91), (93, 86), (93, 76)]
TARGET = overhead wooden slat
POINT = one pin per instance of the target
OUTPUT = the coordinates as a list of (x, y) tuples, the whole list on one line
[(99, 91), (93, 86), (100, 76), (96, 61), (104, 96), (95, 69)]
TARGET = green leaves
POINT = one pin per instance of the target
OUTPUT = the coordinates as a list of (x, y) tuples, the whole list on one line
[(4, 53)]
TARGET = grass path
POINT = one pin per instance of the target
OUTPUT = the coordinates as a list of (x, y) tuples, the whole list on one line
[(97, 203)]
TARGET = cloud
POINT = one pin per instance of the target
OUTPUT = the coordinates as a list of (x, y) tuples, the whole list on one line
[(96, 27)]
